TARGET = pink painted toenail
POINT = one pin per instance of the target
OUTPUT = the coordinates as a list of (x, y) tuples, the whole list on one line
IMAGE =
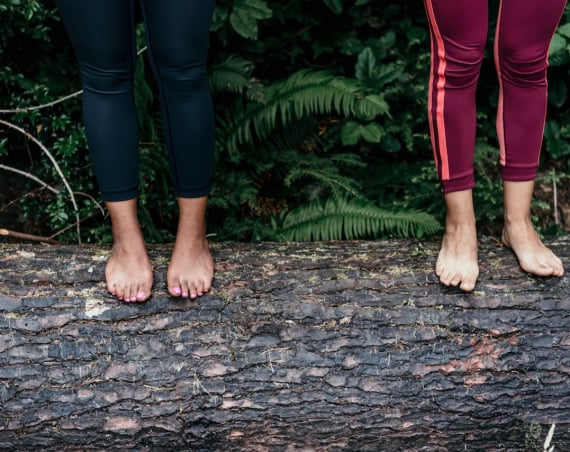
[(140, 294), (176, 290)]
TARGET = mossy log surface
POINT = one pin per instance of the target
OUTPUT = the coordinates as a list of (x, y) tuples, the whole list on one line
[(313, 346)]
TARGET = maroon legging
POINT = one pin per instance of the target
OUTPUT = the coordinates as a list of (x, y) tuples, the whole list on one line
[(458, 31)]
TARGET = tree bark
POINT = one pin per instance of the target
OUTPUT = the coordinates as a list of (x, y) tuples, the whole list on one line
[(313, 346)]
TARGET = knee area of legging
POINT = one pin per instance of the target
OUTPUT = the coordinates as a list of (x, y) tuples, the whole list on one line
[(463, 66), (524, 71), (524, 64), (106, 80), (189, 79)]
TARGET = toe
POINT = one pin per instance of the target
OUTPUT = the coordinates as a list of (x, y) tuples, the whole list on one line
[(558, 266), (467, 285), (119, 292), (200, 290), (130, 296), (174, 288), (446, 277), (207, 286), (175, 291), (185, 290), (141, 295), (456, 280), (439, 270), (193, 290)]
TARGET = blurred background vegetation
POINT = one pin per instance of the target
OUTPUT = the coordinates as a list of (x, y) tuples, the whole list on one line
[(321, 128)]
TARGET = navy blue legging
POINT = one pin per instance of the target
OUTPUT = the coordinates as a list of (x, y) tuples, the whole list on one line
[(102, 33)]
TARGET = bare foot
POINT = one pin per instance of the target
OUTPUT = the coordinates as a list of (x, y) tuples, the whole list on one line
[(191, 267), (128, 271), (457, 260), (533, 256), (519, 234)]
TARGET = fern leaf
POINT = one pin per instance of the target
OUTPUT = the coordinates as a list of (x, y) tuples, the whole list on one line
[(353, 160), (357, 218), (303, 93), (234, 76), (329, 177)]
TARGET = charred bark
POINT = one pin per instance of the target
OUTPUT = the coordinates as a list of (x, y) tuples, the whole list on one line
[(336, 346)]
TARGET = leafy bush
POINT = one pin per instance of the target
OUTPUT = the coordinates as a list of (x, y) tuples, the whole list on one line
[(557, 130)]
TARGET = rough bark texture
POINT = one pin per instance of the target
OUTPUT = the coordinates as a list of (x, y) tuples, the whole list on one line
[(321, 346)]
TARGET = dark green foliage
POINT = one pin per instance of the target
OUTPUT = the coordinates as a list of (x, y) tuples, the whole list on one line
[(320, 116), (342, 218), (303, 94), (557, 131)]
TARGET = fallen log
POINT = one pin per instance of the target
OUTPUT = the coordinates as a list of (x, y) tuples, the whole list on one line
[(313, 346)]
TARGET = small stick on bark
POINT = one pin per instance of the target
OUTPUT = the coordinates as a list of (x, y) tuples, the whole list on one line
[(23, 236)]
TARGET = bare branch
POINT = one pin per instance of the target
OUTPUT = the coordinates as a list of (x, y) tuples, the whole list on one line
[(55, 164), (87, 195), (30, 176), (40, 107), (61, 231), (23, 236)]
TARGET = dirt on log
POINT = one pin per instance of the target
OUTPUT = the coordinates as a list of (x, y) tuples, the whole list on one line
[(306, 346)]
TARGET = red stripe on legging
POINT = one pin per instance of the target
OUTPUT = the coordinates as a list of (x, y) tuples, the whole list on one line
[(441, 147), (500, 106)]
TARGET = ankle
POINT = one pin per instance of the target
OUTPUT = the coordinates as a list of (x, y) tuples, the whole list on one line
[(191, 232), (453, 226), (132, 242), (460, 219), (512, 221), (191, 242)]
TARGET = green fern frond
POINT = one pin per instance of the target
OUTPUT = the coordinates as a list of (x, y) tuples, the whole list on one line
[(236, 186), (353, 160), (234, 76), (329, 177), (303, 93), (282, 141), (357, 218)]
